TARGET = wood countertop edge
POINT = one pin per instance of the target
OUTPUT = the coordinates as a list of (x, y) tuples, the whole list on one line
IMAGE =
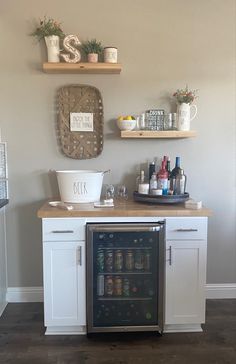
[(129, 209)]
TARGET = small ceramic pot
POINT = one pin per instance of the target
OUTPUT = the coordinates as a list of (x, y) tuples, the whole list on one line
[(93, 57)]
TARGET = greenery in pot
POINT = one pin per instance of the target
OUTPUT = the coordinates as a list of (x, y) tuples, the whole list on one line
[(47, 27), (92, 46)]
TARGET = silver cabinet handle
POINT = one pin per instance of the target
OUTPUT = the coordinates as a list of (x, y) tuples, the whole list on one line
[(80, 255), (170, 255), (186, 230), (62, 231)]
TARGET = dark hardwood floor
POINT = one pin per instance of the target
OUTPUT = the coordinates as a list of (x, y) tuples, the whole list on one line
[(22, 341)]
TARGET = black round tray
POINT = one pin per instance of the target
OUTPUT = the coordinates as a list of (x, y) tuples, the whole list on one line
[(163, 199)]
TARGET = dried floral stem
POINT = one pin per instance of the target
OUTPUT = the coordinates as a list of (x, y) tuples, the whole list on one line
[(185, 95), (47, 27)]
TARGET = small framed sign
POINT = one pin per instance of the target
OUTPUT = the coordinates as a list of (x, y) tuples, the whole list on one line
[(81, 121)]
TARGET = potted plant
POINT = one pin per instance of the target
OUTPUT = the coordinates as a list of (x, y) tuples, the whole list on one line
[(51, 31), (184, 99), (92, 48)]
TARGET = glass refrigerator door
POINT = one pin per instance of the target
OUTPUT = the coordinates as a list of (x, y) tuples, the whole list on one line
[(125, 276)]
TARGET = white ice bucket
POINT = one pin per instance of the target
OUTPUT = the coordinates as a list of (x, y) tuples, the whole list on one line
[(80, 186)]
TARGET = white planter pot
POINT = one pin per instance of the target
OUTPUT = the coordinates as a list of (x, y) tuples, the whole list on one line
[(53, 48), (184, 116)]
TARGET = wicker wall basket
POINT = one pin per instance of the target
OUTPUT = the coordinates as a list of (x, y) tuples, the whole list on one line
[(80, 99)]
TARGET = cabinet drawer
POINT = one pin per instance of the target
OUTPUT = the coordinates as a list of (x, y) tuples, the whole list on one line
[(186, 228), (62, 229)]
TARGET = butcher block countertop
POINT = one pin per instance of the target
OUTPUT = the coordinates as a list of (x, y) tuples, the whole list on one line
[(122, 209)]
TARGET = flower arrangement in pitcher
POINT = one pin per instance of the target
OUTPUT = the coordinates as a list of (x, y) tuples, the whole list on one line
[(185, 95), (47, 27)]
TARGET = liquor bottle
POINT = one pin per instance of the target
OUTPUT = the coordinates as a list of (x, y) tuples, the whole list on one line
[(174, 173), (169, 172), (162, 178), (165, 159), (143, 184), (152, 169), (180, 183)]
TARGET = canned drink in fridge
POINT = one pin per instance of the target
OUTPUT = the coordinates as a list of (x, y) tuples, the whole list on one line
[(118, 286), (118, 260), (100, 261), (109, 261), (126, 288), (109, 286), (147, 260), (100, 285), (138, 262), (129, 260)]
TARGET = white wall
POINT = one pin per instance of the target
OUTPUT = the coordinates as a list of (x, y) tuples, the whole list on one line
[(163, 44)]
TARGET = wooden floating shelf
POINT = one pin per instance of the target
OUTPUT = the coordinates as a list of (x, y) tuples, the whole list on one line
[(102, 68), (158, 134)]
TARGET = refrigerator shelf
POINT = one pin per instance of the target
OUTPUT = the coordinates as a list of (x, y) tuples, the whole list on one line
[(123, 273), (139, 247), (124, 298)]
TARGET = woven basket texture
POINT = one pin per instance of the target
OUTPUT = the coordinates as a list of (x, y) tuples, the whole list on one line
[(80, 99)]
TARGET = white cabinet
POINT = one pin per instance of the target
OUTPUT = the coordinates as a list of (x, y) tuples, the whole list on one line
[(64, 272), (3, 273), (64, 276), (186, 251)]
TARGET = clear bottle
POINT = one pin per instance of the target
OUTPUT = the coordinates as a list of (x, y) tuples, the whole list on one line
[(180, 183), (142, 184), (162, 179), (174, 172), (153, 182)]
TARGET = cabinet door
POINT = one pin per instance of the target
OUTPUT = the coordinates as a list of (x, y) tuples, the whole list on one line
[(64, 283), (185, 282)]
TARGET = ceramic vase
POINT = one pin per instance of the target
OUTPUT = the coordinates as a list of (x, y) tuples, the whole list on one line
[(53, 48), (184, 116), (93, 57)]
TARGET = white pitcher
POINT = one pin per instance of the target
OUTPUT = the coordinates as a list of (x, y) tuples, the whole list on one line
[(183, 116), (53, 48)]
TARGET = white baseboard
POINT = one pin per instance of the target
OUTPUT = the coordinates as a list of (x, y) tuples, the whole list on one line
[(24, 294), (35, 294), (221, 291)]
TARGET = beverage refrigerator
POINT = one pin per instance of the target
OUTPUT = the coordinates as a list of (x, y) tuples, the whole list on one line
[(125, 275)]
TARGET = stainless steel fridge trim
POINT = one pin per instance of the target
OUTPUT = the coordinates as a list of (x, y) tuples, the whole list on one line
[(126, 228), (126, 328), (90, 227)]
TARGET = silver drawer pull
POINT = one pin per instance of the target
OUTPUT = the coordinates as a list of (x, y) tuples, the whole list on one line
[(186, 230), (170, 255), (80, 255), (62, 231)]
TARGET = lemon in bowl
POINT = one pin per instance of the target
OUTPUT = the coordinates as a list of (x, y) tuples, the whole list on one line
[(126, 122)]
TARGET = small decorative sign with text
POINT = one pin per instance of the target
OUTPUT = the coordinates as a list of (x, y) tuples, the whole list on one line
[(81, 121)]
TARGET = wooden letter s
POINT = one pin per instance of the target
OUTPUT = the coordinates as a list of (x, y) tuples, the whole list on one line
[(71, 49)]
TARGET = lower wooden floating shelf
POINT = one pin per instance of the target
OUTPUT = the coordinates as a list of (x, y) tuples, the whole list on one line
[(93, 68), (158, 134)]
